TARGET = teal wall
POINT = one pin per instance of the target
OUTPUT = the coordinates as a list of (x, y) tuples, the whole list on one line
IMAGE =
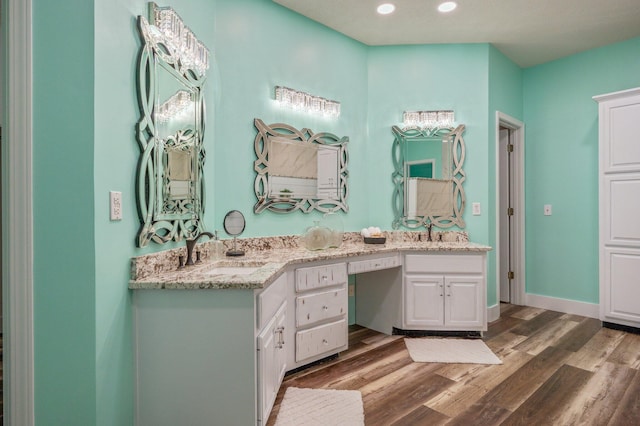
[(64, 252), (561, 163), (260, 45), (421, 78), (85, 111)]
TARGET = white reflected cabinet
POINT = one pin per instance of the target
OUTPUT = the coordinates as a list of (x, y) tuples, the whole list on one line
[(619, 193)]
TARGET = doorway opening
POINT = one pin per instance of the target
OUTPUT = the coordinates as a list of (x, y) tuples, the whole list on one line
[(510, 264)]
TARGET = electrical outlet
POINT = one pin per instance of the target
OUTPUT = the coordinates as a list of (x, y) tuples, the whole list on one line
[(476, 209), (352, 290), (547, 209), (115, 205)]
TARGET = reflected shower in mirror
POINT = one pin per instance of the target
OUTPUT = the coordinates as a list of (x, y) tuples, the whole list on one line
[(171, 74), (299, 170), (428, 177)]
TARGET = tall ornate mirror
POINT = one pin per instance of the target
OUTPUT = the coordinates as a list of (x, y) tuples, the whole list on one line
[(299, 170), (171, 74), (428, 177)]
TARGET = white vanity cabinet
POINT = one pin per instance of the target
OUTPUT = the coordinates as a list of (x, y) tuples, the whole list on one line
[(619, 176), (207, 357), (444, 292), (321, 304)]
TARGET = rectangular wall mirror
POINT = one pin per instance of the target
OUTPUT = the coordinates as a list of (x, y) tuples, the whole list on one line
[(299, 170), (428, 177)]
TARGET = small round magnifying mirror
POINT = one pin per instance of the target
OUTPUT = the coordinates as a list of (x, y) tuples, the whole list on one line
[(234, 224)]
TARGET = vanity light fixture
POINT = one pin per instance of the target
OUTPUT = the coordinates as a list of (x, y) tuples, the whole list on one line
[(301, 101), (386, 8), (447, 6), (428, 119), (173, 106), (168, 29)]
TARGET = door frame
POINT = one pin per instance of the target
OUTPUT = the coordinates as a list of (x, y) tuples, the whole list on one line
[(519, 282), (17, 235)]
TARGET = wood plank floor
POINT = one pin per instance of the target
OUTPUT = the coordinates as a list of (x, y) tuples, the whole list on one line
[(558, 369)]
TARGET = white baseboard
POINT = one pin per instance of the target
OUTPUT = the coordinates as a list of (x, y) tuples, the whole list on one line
[(493, 312), (591, 310)]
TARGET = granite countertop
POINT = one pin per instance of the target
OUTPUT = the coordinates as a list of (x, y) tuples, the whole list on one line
[(267, 258)]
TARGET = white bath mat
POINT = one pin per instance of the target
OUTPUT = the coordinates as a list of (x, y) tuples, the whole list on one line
[(320, 407), (463, 351)]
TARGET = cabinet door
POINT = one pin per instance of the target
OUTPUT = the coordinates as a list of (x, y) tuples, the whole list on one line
[(463, 301), (619, 129), (271, 362), (620, 298), (423, 305), (621, 209)]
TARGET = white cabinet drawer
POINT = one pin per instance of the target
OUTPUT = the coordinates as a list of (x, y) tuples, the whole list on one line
[(320, 339), (320, 276), (360, 266), (446, 263), (270, 299), (320, 306)]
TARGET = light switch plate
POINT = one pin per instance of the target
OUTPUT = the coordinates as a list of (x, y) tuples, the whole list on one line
[(547, 209), (476, 209), (115, 205)]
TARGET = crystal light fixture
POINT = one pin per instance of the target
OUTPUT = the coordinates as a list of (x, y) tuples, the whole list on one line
[(302, 101), (173, 106), (428, 119), (168, 29)]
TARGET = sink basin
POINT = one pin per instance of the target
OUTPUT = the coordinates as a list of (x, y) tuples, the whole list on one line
[(231, 270)]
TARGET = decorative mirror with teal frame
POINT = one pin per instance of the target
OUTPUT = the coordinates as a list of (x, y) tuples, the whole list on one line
[(171, 75), (428, 177)]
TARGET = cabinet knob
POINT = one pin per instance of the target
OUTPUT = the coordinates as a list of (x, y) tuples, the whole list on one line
[(325, 308), (325, 342)]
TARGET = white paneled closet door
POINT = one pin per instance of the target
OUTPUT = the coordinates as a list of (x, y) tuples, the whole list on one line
[(619, 177)]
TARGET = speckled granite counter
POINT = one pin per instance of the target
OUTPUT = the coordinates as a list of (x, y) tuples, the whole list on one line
[(269, 256)]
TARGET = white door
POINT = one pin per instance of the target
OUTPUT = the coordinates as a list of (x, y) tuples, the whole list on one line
[(510, 269), (505, 188), (423, 303)]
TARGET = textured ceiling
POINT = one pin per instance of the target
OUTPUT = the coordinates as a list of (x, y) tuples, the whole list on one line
[(530, 32)]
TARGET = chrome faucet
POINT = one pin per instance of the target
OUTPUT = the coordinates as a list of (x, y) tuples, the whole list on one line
[(191, 245)]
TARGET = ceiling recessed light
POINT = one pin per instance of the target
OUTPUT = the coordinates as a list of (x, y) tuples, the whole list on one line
[(447, 6), (386, 8)]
